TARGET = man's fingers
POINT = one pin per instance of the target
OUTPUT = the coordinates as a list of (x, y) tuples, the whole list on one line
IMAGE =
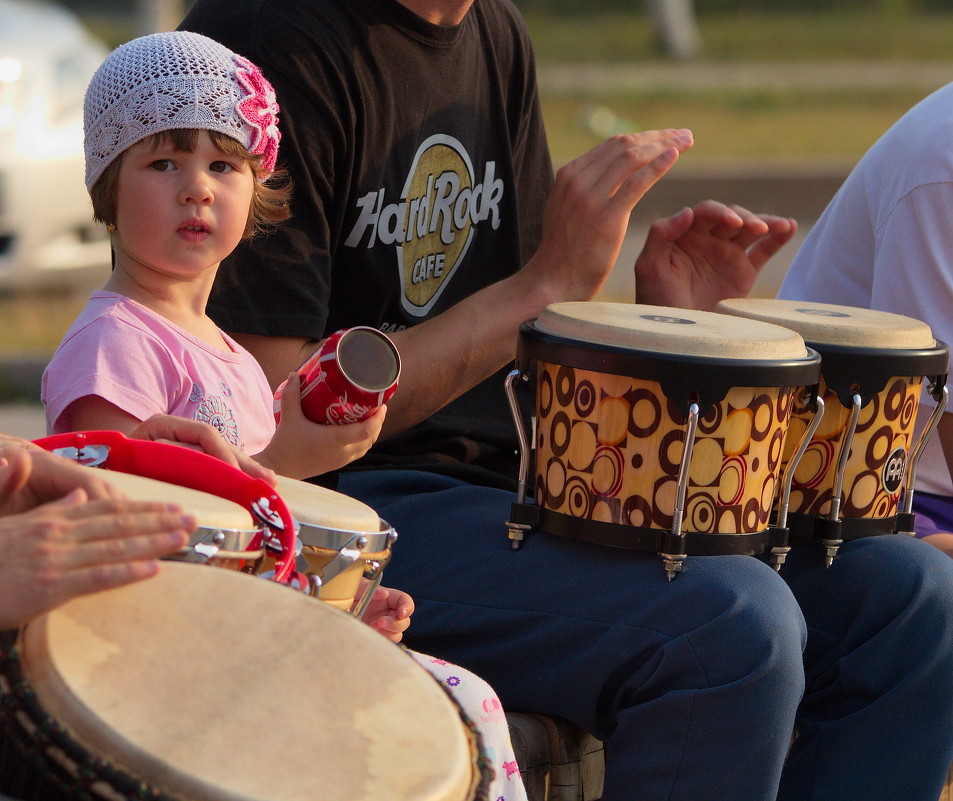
[(635, 186)]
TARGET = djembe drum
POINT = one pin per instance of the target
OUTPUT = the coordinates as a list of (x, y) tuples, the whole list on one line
[(657, 429), (212, 685), (862, 459)]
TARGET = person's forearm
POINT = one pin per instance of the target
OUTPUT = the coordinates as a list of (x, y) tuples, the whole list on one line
[(453, 352)]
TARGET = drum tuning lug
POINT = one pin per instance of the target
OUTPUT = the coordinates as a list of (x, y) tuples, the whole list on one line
[(777, 546), (201, 552), (779, 556), (672, 564), (371, 568), (830, 551), (516, 533), (827, 533), (314, 584)]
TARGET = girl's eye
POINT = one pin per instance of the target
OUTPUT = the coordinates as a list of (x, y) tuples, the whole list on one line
[(162, 165), (221, 166)]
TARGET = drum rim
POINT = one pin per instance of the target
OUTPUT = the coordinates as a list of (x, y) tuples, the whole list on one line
[(645, 539), (707, 382), (56, 742), (236, 539), (375, 541), (850, 369)]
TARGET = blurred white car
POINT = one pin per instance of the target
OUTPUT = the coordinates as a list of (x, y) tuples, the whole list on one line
[(47, 237)]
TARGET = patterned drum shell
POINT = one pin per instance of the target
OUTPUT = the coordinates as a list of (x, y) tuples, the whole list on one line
[(614, 383), (885, 359)]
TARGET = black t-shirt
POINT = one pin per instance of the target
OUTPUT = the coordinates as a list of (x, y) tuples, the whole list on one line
[(420, 170)]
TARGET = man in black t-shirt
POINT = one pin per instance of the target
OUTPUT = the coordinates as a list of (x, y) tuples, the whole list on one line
[(425, 205)]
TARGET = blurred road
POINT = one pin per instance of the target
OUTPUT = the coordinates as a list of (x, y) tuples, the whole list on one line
[(22, 420)]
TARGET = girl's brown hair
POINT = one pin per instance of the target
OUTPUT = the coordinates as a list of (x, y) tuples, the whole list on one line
[(270, 202)]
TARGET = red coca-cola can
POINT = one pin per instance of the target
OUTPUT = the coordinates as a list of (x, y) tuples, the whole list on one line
[(353, 373)]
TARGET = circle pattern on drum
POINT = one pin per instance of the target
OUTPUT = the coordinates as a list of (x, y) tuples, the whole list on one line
[(617, 460), (879, 358)]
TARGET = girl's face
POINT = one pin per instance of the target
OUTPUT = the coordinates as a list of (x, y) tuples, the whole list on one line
[(179, 213)]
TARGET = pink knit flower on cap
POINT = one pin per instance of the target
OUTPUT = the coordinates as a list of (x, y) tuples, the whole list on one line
[(259, 108)]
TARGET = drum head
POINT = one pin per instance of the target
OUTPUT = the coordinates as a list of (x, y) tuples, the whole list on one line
[(217, 685), (319, 506), (666, 330), (829, 324), (209, 510)]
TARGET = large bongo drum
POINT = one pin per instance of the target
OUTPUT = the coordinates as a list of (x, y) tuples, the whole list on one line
[(211, 685), (862, 458), (226, 536), (656, 429), (183, 467), (341, 541)]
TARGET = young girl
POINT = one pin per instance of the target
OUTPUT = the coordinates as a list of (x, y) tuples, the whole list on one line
[(181, 147), (181, 142)]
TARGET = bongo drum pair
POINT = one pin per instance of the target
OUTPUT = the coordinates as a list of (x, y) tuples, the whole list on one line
[(861, 463), (212, 685), (682, 432), (658, 429)]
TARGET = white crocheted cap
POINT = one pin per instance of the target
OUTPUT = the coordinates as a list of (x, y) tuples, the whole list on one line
[(175, 80)]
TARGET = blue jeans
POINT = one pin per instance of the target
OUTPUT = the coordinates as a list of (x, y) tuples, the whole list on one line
[(696, 685)]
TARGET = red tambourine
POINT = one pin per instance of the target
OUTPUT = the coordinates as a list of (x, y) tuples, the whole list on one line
[(185, 467)]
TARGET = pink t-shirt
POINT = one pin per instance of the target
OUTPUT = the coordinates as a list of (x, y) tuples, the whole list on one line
[(144, 364)]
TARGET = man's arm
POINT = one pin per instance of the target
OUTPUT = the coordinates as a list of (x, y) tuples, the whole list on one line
[(585, 222)]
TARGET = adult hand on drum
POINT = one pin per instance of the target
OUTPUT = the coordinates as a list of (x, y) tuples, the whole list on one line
[(32, 476), (301, 448), (202, 436), (587, 213), (78, 544), (388, 612), (707, 253)]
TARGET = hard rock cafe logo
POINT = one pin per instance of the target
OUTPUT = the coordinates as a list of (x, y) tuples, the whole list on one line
[(432, 225)]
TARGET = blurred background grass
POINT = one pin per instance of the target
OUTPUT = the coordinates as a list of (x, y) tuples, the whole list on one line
[(752, 121), (865, 31)]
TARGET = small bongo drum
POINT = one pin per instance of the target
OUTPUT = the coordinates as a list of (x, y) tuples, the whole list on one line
[(861, 459), (342, 540), (211, 685), (226, 536), (657, 429)]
